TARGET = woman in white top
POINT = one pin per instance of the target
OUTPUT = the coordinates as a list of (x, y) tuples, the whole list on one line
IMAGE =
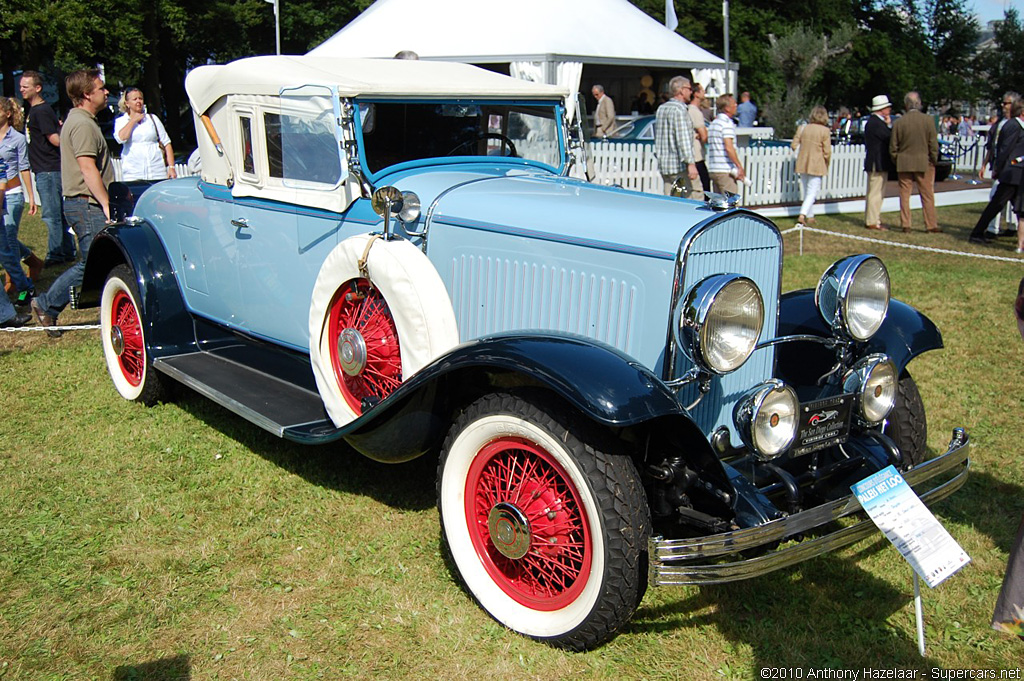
[(141, 136)]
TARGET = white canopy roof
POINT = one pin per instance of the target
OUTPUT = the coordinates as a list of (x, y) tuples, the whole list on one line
[(591, 31), (354, 77)]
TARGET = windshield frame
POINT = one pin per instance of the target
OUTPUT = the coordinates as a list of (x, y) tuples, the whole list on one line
[(556, 106)]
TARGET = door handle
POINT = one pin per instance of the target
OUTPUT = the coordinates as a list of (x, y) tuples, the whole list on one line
[(241, 223)]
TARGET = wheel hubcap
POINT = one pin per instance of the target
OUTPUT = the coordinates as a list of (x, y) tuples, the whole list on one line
[(351, 352), (117, 340), (510, 530)]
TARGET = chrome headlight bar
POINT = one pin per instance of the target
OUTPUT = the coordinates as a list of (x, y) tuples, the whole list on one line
[(718, 321), (853, 296)]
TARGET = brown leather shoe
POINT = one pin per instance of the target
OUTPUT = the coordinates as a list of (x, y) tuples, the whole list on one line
[(936, 230), (35, 266), (878, 228), (44, 319), (906, 230)]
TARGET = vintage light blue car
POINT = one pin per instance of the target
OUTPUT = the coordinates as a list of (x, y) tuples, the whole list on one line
[(396, 253)]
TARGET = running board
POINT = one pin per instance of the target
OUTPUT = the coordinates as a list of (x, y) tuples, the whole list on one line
[(283, 408)]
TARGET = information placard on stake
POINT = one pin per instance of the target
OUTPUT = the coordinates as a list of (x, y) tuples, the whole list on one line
[(917, 534)]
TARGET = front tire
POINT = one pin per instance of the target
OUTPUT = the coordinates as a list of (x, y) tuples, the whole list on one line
[(907, 425), (124, 340), (546, 531)]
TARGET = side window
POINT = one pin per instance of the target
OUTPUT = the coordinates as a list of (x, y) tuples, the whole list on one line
[(248, 164), (302, 149)]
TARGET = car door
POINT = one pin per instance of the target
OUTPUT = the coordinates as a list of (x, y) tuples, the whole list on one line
[(284, 236)]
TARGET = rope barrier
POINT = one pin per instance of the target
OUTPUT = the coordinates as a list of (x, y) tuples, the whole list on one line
[(896, 244), (75, 327)]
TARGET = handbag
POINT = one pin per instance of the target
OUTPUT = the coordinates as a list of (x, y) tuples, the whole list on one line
[(163, 154)]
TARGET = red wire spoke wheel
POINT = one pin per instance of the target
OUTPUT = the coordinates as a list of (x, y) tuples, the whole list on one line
[(122, 333), (365, 355), (543, 518), (126, 338), (531, 531)]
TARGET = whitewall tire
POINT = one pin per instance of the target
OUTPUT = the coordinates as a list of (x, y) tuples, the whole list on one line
[(548, 533)]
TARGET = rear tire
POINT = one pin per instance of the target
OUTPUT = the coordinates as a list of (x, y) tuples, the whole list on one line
[(124, 340), (547, 531), (907, 425)]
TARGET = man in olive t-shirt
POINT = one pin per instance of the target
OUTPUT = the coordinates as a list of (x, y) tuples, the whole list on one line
[(86, 173)]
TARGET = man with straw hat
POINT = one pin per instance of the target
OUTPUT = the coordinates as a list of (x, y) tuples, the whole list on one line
[(877, 161)]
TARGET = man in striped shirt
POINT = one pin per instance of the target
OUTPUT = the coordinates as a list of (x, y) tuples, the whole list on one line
[(674, 140), (724, 165)]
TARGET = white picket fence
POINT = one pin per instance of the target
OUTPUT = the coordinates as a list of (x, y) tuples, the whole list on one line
[(180, 168), (771, 169)]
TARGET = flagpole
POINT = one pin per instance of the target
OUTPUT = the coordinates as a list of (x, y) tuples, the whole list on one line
[(725, 29)]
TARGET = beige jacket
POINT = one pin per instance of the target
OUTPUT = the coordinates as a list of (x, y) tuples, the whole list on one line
[(815, 144), (604, 117)]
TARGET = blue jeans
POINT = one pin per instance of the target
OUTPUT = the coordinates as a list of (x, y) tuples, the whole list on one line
[(7, 310), (60, 245), (10, 247), (87, 220)]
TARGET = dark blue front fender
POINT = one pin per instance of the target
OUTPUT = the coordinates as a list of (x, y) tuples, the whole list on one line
[(596, 380), (905, 334)]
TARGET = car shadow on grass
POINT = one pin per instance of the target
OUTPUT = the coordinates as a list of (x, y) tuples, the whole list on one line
[(826, 613), (988, 505), (178, 668), (336, 466)]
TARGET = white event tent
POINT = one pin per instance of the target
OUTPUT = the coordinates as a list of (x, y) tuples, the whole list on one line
[(541, 40)]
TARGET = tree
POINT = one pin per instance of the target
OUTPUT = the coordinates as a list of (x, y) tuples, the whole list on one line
[(799, 57), (952, 32), (1003, 62)]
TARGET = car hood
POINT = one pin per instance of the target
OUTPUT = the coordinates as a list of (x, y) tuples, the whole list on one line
[(539, 205)]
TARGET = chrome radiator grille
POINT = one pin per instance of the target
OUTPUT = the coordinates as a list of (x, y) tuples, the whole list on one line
[(744, 245)]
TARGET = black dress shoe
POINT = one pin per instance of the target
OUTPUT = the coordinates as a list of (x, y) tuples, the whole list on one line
[(985, 239), (1013, 234), (16, 321)]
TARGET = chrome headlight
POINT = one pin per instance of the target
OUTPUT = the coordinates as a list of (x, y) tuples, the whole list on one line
[(873, 380), (766, 419), (718, 321), (853, 296)]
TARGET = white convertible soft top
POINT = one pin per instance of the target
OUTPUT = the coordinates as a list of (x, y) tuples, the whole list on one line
[(355, 77)]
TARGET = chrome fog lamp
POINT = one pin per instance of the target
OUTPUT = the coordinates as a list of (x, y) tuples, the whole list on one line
[(766, 419), (718, 321), (873, 381), (853, 296)]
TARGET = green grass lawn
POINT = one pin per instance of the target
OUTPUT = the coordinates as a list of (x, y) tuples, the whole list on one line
[(181, 542)]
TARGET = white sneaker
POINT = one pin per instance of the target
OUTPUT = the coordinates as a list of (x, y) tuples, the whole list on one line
[(1020, 250)]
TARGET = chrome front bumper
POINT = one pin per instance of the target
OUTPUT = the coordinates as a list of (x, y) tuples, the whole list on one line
[(684, 561)]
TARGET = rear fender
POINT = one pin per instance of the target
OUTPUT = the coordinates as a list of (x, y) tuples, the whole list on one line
[(168, 324)]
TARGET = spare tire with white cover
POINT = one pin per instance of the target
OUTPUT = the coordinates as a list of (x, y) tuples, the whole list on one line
[(379, 313)]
